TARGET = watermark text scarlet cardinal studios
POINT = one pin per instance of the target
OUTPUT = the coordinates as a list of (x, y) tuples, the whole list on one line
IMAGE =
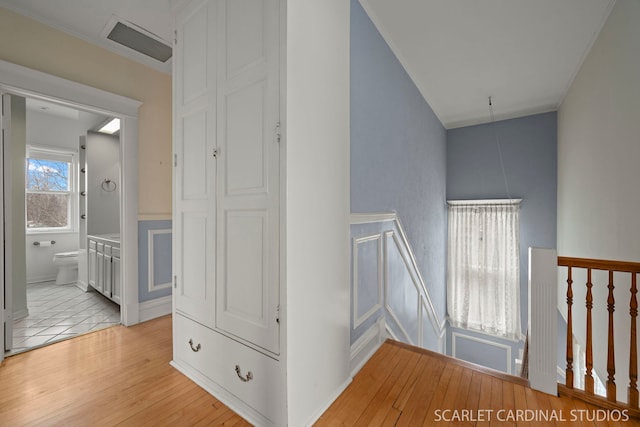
[(530, 415)]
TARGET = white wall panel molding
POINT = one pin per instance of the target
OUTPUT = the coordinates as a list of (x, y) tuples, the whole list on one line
[(388, 289), (152, 286), (455, 336), (360, 286), (370, 218)]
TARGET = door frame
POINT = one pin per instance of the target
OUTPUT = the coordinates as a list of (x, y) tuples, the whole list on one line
[(19, 80)]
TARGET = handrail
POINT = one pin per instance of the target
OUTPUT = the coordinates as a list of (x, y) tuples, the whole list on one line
[(599, 264)]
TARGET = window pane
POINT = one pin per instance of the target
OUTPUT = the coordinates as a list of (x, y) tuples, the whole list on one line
[(47, 211), (47, 175)]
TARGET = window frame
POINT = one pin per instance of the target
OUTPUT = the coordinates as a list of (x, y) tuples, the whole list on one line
[(56, 154)]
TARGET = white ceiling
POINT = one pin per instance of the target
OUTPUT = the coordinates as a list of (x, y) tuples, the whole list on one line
[(522, 53)]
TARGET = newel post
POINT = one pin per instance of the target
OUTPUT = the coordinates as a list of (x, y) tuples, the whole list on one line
[(543, 320)]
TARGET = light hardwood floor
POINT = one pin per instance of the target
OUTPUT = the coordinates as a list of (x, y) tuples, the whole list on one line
[(113, 377), (406, 386), (122, 377)]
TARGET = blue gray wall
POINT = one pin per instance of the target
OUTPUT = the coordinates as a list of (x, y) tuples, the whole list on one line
[(398, 157), (529, 150)]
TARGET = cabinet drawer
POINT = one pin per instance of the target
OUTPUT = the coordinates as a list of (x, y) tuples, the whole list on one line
[(193, 344), (100, 247), (257, 381), (115, 251), (92, 244), (253, 377)]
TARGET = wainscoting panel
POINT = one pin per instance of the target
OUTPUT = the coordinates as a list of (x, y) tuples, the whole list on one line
[(154, 253), (389, 297), (367, 277), (401, 295), (481, 351), (159, 259)]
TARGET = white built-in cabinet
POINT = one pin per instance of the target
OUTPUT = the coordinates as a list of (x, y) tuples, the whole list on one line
[(227, 204), (104, 266)]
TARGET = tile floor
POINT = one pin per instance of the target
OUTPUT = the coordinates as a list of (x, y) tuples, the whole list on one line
[(58, 312)]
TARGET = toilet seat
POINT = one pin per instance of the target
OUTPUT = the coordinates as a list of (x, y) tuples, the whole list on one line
[(66, 254)]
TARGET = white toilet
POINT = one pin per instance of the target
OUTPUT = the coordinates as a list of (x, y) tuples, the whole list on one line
[(67, 263)]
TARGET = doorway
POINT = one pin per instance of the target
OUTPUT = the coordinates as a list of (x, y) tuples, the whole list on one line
[(69, 155), (21, 81)]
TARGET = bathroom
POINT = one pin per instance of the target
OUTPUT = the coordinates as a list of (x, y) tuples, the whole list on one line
[(69, 154)]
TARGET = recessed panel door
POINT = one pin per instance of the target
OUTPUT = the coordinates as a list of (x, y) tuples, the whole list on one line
[(247, 286), (194, 260)]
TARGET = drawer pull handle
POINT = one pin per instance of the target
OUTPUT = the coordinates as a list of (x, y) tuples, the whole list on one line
[(246, 378), (196, 348)]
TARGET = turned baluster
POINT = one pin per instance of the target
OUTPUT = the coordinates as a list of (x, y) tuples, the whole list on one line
[(569, 370), (611, 358), (588, 376), (632, 392)]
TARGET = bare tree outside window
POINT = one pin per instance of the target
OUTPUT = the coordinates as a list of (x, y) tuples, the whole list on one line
[(48, 194)]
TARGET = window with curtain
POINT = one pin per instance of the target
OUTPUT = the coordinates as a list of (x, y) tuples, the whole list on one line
[(483, 272), (50, 190)]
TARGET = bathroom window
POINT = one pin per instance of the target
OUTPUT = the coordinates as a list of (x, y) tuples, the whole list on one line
[(50, 190)]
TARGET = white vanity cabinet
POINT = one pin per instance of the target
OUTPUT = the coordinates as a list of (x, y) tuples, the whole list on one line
[(104, 265), (227, 203)]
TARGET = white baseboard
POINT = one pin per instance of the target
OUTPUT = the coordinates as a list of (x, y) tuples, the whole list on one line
[(40, 279), (154, 308), (367, 345), (220, 393), (17, 315), (316, 416)]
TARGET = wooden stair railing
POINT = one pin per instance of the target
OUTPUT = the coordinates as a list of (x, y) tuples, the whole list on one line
[(633, 268)]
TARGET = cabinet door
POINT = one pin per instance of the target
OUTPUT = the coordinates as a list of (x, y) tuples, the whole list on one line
[(99, 271), (194, 227), (106, 289), (115, 279), (92, 267), (247, 285)]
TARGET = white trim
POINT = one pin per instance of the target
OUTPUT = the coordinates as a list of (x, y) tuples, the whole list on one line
[(484, 202), (389, 331), (455, 335), (367, 345), (488, 334), (225, 397), (150, 264), (368, 218), (323, 408), (20, 314), (392, 235), (155, 217), (35, 84), (561, 372), (154, 308), (357, 321)]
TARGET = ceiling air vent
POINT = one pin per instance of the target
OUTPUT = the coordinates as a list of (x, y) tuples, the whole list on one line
[(138, 39)]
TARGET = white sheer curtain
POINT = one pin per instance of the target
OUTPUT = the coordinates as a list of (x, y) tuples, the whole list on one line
[(483, 280)]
